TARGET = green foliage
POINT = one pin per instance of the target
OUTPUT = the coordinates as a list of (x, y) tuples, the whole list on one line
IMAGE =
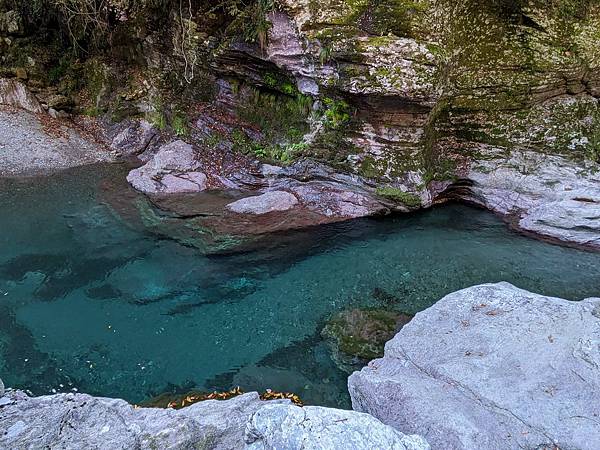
[(179, 124), (337, 113), (56, 73), (249, 19), (397, 195), (281, 154)]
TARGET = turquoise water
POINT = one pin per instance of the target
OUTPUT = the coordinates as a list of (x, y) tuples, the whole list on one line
[(90, 301)]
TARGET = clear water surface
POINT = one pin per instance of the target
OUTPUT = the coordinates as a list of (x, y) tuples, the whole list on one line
[(90, 302)]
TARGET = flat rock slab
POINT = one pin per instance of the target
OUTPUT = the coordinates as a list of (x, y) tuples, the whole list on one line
[(78, 421), (491, 367), (271, 201), (290, 427)]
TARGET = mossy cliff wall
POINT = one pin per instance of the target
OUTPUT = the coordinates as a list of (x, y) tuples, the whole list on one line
[(404, 92)]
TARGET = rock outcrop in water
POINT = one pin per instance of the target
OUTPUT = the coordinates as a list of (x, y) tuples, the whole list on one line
[(490, 367)]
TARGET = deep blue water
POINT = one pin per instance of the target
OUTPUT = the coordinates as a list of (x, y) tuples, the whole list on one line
[(90, 301)]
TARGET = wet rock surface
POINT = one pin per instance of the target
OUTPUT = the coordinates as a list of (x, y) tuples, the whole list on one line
[(491, 366), (291, 427)]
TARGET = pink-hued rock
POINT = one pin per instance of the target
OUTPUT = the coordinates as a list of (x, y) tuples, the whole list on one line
[(173, 170)]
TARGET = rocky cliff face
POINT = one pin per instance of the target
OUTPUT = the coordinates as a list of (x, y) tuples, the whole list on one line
[(422, 101)]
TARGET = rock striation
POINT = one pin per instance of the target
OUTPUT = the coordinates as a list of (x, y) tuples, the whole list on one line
[(548, 195), (492, 366), (14, 93)]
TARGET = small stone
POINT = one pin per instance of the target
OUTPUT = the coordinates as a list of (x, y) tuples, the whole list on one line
[(21, 73)]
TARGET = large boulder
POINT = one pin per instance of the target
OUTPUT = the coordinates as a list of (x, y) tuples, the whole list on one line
[(75, 421), (289, 427), (14, 93), (173, 170), (492, 366)]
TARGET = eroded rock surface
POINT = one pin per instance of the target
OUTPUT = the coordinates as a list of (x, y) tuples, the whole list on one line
[(492, 366), (75, 421), (549, 195), (275, 427)]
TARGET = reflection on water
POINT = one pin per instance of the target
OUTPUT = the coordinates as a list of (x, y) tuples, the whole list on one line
[(92, 301)]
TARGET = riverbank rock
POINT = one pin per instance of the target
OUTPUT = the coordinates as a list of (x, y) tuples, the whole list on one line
[(549, 195), (359, 335), (14, 93), (29, 146), (262, 204), (75, 421), (492, 366), (174, 169), (275, 427)]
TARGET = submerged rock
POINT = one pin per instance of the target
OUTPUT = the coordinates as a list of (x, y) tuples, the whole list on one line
[(290, 427), (262, 204), (492, 366), (75, 421), (174, 169), (359, 335)]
